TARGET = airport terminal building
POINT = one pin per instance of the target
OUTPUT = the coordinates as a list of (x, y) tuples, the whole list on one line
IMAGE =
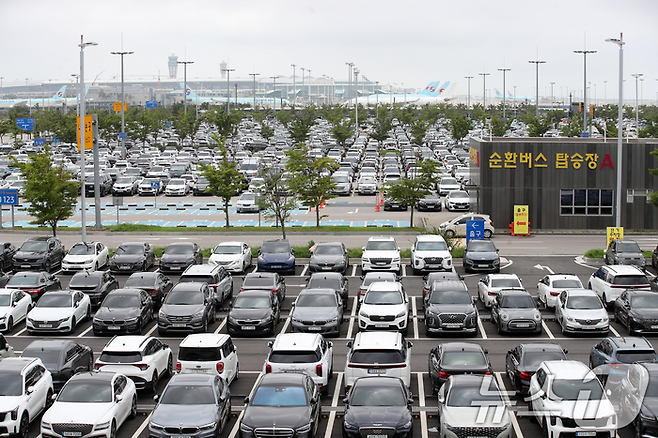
[(568, 183)]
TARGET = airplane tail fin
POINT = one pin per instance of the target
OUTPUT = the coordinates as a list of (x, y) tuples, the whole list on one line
[(60, 93), (498, 93), (432, 89), (189, 94)]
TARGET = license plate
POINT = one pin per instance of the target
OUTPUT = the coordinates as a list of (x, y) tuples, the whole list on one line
[(179, 325), (114, 327), (381, 325), (248, 327), (174, 268), (315, 328), (326, 268), (586, 433), (26, 266), (276, 266), (380, 263), (523, 325), (180, 436), (46, 325), (376, 371), (434, 266), (654, 327), (481, 266), (124, 267), (452, 325), (589, 327), (375, 436), (71, 433)]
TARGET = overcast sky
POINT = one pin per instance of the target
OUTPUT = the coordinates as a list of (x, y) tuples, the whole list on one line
[(408, 42)]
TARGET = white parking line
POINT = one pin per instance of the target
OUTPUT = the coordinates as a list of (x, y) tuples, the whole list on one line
[(512, 414), (414, 314), (20, 332), (334, 403), (221, 325), (86, 331), (403, 269), (421, 404), (351, 326), (548, 332), (354, 270), (481, 328), (236, 427), (285, 325), (142, 426), (303, 274), (150, 332), (615, 332)]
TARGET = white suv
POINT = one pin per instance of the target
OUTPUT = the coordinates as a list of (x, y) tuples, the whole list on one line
[(306, 353), (26, 391), (430, 253), (208, 353), (610, 281), (381, 254), (378, 354), (385, 306), (491, 284), (144, 359), (567, 398)]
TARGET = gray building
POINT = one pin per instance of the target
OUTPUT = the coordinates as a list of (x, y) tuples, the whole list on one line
[(567, 183)]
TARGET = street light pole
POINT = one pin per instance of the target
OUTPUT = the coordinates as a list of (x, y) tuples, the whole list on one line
[(637, 116), (484, 94), (585, 53), (620, 114), (349, 80), (185, 82), (254, 75), (468, 105), (1, 78), (356, 99), (537, 62), (123, 140), (83, 221), (504, 70), (310, 100), (552, 95), (274, 91), (228, 89), (29, 103), (294, 89)]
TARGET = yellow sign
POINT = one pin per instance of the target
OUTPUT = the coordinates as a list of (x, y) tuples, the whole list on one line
[(562, 160), (521, 219), (614, 233), (89, 132), (117, 106)]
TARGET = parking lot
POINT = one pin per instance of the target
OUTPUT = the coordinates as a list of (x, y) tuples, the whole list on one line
[(252, 351)]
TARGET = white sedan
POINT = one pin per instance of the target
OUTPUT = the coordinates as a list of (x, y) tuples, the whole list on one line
[(59, 311), (234, 256), (14, 305), (489, 286), (551, 285), (91, 403), (177, 187), (89, 256)]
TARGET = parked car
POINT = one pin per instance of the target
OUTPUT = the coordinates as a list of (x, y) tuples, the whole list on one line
[(430, 202), (132, 256), (34, 283), (270, 281), (638, 311), (126, 185), (177, 187), (446, 185), (457, 200), (59, 311), (7, 251), (14, 307), (551, 285), (248, 203), (233, 256), (96, 284), (317, 310), (209, 353), (275, 256), (581, 310), (179, 256), (39, 253), (609, 281), (522, 362), (123, 311), (6, 350), (219, 280), (394, 204), (157, 285), (385, 306), (515, 311), (331, 280), (637, 397), (453, 358), (457, 226), (329, 256), (253, 311), (381, 253), (200, 186), (430, 252), (450, 308), (481, 255), (370, 277), (89, 256), (624, 252), (430, 278), (187, 307), (491, 284), (63, 358), (611, 357)]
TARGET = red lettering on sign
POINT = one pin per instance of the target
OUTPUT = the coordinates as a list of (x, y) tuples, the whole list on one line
[(607, 161)]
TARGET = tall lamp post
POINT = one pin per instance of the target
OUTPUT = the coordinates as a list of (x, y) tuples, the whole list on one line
[(310, 100), (294, 87), (585, 53), (349, 80), (504, 70), (620, 114), (468, 105), (29, 103), (552, 95), (123, 140), (274, 91), (484, 89), (1, 78), (185, 82), (637, 116), (254, 75), (302, 69), (83, 221), (228, 88), (356, 99), (537, 62)]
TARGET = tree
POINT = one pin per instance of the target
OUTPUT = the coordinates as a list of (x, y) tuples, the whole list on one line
[(410, 191), (225, 180), (342, 131), (538, 126), (311, 178), (460, 126), (276, 198), (51, 191), (418, 131), (301, 123), (266, 131), (382, 125), (499, 126)]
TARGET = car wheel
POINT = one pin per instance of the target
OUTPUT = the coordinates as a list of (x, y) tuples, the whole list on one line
[(133, 407), (10, 324), (615, 317), (144, 267), (49, 400), (487, 234), (153, 385), (604, 299), (113, 430), (531, 415), (90, 364), (72, 325), (450, 234), (237, 371), (88, 314), (48, 266), (629, 327), (24, 426), (170, 366), (499, 328)]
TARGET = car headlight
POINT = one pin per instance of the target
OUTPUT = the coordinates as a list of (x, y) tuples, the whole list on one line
[(349, 425), (208, 426), (102, 426), (406, 425), (245, 428), (504, 316), (88, 261), (153, 425), (131, 320), (261, 258), (291, 258), (335, 319), (364, 260), (232, 320), (305, 428), (45, 425), (2, 318), (537, 316), (162, 315), (396, 259), (401, 314), (212, 262), (62, 320), (364, 314), (198, 314), (570, 319)]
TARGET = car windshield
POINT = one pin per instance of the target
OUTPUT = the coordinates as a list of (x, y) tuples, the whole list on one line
[(34, 246), (140, 282), (225, 249), (279, 396), (584, 303), (84, 280), (431, 246), (628, 247), (341, 178), (86, 392), (323, 282), (294, 357), (451, 297), (121, 301), (124, 180), (120, 356), (275, 247), (576, 389), (82, 249), (383, 297), (381, 245), (328, 250), (130, 249), (11, 384), (518, 302), (630, 356), (378, 276), (179, 249), (316, 300), (630, 280), (377, 356), (248, 197), (23, 280), (481, 246), (196, 279), (54, 300), (182, 297), (259, 282), (377, 396), (247, 302), (188, 395), (567, 284), (470, 396), (458, 195), (462, 358), (505, 282), (535, 358), (645, 301), (5, 300)]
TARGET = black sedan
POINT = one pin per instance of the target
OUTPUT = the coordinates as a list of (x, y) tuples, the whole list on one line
[(638, 311), (317, 311), (378, 402), (253, 311), (481, 255), (96, 284), (283, 404), (271, 281), (430, 202), (456, 358), (62, 357), (329, 256), (394, 204), (7, 251), (331, 280), (123, 311), (132, 256), (34, 283), (178, 256), (522, 362), (156, 284)]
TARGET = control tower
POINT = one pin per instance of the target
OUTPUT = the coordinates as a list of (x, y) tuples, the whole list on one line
[(173, 66)]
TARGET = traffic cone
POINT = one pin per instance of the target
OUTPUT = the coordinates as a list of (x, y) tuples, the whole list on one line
[(377, 207)]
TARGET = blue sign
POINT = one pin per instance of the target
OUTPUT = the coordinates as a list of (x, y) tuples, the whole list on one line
[(151, 104), (585, 134), (26, 123), (123, 135), (8, 197), (168, 124), (155, 185), (39, 141), (474, 230)]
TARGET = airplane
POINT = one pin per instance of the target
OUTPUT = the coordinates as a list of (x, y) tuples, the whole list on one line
[(74, 100), (499, 95), (192, 97), (432, 93), (57, 98)]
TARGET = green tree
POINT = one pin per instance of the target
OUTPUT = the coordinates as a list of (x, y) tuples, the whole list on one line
[(418, 131), (301, 123), (537, 127), (276, 198), (460, 125), (653, 198), (266, 131), (382, 125), (311, 178), (186, 125), (224, 181), (499, 126), (50, 190), (410, 191), (574, 128)]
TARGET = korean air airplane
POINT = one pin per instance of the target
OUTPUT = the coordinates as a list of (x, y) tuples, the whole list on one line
[(434, 92), (57, 99), (499, 95), (195, 99)]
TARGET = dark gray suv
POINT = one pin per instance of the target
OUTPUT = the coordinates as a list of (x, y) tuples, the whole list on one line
[(188, 307)]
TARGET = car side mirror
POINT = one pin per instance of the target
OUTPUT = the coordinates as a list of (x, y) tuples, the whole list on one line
[(30, 389), (410, 401), (292, 251), (118, 398), (156, 397), (53, 397), (363, 248), (349, 344), (542, 394), (270, 344), (345, 400), (475, 300), (497, 250), (565, 351), (410, 344), (442, 398), (246, 400), (486, 351)]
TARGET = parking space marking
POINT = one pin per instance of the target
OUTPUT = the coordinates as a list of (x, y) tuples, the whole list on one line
[(221, 325), (150, 332), (20, 332), (512, 414), (353, 314), (548, 332), (303, 274), (236, 427), (414, 319), (286, 324), (403, 269), (86, 331), (481, 328), (334, 403), (142, 426), (421, 403), (615, 332), (354, 270)]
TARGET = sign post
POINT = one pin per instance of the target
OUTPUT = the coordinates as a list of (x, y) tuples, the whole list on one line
[(117, 201), (521, 225), (155, 186), (614, 233), (8, 197), (474, 230)]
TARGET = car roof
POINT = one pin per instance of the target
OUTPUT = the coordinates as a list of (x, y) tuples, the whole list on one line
[(204, 340), (180, 243), (380, 340), (430, 237), (89, 274), (381, 238), (318, 291), (384, 286), (581, 292), (49, 343), (106, 376), (256, 292), (561, 276), (568, 368), (260, 275), (296, 341), (497, 275), (327, 275), (15, 363), (184, 379), (514, 292), (126, 291), (126, 343), (40, 238), (201, 269), (232, 243), (447, 285), (147, 274), (378, 381), (631, 342), (282, 378), (625, 269), (462, 346), (471, 379)]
